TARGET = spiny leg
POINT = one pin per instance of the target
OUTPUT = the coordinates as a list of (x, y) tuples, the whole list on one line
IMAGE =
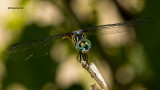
[(79, 57), (85, 57)]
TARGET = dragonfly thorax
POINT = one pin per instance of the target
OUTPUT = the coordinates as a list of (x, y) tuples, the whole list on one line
[(82, 44)]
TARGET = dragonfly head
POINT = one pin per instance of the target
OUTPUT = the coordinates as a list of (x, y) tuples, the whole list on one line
[(83, 45)]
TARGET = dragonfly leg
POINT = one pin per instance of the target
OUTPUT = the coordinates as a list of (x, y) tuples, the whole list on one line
[(79, 57), (85, 57)]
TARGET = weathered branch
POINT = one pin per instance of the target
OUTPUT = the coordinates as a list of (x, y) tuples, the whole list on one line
[(92, 69)]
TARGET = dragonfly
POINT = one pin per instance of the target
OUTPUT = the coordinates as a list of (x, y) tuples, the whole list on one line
[(81, 43)]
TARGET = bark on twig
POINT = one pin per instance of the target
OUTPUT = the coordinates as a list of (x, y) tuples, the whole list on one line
[(92, 69), (94, 87)]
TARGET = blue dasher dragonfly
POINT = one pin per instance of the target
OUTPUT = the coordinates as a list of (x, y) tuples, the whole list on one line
[(82, 44)]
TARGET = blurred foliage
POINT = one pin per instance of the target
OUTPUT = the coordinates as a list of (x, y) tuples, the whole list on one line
[(130, 63)]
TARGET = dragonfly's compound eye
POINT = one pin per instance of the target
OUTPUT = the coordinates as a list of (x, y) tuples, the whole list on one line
[(83, 45)]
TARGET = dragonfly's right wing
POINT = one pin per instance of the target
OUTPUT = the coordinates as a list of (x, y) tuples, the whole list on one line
[(33, 48)]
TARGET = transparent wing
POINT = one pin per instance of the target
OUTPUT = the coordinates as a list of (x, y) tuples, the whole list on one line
[(40, 47), (33, 48), (119, 27)]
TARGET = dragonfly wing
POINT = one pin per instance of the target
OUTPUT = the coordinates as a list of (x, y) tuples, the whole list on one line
[(119, 27), (26, 50)]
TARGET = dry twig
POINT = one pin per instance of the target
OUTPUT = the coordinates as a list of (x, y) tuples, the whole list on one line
[(92, 69)]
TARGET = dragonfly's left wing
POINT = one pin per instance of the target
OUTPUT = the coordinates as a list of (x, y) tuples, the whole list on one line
[(119, 27)]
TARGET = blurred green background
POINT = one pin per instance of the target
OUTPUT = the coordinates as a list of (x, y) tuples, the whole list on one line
[(127, 61)]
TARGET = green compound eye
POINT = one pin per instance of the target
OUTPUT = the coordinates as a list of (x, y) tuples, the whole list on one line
[(83, 45), (87, 43)]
